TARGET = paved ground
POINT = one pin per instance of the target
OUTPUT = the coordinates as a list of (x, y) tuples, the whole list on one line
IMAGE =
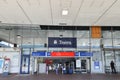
[(63, 77)]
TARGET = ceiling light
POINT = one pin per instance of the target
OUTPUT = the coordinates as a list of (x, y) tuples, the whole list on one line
[(61, 36), (64, 12), (18, 36)]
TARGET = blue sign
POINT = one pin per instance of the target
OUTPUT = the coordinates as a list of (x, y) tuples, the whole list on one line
[(87, 54), (41, 53), (77, 53), (48, 53), (96, 64), (56, 42)]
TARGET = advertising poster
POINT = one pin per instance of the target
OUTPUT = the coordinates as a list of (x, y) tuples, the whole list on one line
[(78, 63), (1, 63), (6, 65)]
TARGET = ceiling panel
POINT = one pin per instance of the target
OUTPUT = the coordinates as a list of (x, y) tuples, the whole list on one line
[(58, 5), (11, 13), (38, 11), (92, 15), (111, 17), (49, 12)]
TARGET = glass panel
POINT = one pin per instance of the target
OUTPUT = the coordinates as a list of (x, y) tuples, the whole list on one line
[(107, 43), (40, 41), (67, 33), (26, 51), (109, 56), (57, 33), (116, 34), (95, 43), (117, 55), (97, 54), (116, 43), (106, 34), (25, 61), (83, 43), (83, 64), (82, 34)]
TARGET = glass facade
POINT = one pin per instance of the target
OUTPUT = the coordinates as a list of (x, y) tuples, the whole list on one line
[(111, 38), (106, 48)]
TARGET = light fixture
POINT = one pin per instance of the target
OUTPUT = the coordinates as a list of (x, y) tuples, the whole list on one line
[(64, 12), (18, 36), (61, 36)]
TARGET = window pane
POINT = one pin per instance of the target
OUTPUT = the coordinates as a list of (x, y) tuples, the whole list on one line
[(96, 54), (57, 33), (106, 34), (107, 43), (116, 42), (117, 55), (116, 34), (95, 43), (109, 56), (82, 34), (82, 43)]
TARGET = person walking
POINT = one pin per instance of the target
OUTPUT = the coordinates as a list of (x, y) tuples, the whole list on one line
[(112, 65)]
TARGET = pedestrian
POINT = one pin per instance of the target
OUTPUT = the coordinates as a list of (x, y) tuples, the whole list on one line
[(112, 65), (56, 70)]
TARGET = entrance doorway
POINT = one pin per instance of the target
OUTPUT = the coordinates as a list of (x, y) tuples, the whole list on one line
[(25, 64), (62, 65), (66, 65), (85, 65), (58, 65)]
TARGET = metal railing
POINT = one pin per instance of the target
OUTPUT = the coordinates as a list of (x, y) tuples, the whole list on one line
[(108, 69)]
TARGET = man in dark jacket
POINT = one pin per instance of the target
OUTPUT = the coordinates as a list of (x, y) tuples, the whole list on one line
[(112, 65)]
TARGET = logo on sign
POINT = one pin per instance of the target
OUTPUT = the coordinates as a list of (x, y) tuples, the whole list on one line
[(55, 41)]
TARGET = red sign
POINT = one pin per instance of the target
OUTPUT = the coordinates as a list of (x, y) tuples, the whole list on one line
[(63, 54)]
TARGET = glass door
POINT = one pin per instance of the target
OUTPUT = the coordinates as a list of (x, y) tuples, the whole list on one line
[(85, 65), (25, 64)]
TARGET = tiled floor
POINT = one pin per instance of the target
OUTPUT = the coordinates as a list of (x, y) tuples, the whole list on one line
[(62, 77)]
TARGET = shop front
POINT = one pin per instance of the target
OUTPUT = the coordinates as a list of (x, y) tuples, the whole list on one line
[(62, 62)]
